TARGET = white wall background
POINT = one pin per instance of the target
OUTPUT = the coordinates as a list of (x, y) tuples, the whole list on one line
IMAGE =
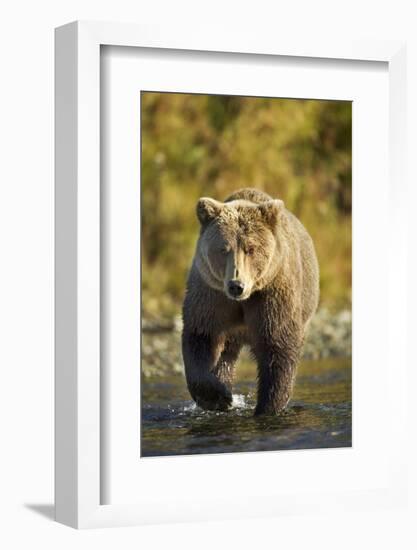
[(26, 269)]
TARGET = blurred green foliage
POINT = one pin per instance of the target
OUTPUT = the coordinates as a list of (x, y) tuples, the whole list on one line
[(201, 145)]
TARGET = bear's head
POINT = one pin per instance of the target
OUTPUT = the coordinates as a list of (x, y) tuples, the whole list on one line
[(238, 250)]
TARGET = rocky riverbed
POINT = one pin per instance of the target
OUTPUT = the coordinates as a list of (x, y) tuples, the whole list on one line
[(329, 335)]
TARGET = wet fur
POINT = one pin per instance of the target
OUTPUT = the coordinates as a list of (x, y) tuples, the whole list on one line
[(283, 276)]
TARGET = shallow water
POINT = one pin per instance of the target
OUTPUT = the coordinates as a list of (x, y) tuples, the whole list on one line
[(318, 416)]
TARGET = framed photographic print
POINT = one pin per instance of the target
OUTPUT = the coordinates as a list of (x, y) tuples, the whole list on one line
[(227, 218)]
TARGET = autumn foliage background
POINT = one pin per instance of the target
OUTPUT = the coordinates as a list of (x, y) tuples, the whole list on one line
[(201, 145)]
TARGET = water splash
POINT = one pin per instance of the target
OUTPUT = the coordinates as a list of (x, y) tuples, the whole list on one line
[(191, 407), (239, 401)]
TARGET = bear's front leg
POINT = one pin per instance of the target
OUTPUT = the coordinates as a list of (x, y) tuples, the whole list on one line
[(276, 335), (201, 353), (277, 364)]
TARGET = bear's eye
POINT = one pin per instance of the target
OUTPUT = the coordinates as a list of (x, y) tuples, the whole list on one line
[(250, 251)]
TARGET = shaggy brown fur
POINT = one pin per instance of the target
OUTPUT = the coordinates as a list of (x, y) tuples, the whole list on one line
[(254, 280)]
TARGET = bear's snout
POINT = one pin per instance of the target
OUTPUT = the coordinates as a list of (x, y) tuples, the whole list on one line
[(235, 288)]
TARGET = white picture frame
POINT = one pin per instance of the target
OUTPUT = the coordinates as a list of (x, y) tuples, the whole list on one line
[(78, 404)]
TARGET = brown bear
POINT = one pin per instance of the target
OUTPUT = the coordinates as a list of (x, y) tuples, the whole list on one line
[(254, 281)]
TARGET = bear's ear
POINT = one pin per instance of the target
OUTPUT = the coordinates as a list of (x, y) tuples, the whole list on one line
[(207, 210), (270, 211)]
